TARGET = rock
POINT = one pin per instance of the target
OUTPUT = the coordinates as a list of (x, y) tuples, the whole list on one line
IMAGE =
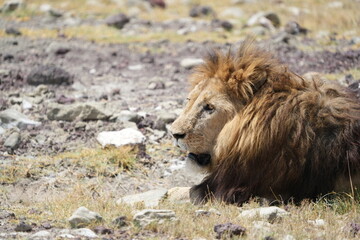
[(2, 131), (288, 237), (157, 135), (12, 5), (270, 214), (83, 217), (217, 23), (84, 232), (148, 216), (77, 111), (156, 85), (191, 62), (294, 28), (49, 74), (7, 215), (12, 31), (46, 225), (137, 67), (128, 116), (130, 125), (103, 230), (157, 3), (25, 104), (127, 136), (58, 48), (118, 21), (41, 235), (259, 31), (199, 11), (263, 227), (167, 117), (23, 227), (201, 212), (228, 230), (317, 222), (120, 221), (266, 19), (178, 195), (353, 229), (11, 118), (150, 198), (13, 141)]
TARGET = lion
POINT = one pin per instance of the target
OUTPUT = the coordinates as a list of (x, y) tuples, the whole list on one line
[(259, 130)]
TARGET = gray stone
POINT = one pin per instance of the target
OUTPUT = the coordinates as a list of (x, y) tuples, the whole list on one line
[(264, 19), (199, 11), (156, 85), (167, 117), (23, 227), (83, 217), (13, 31), (150, 198), (178, 195), (120, 221), (127, 136), (270, 214), (127, 116), (25, 104), (2, 131), (228, 230), (12, 5), (294, 28), (157, 135), (58, 48), (10, 118), (259, 31), (79, 111), (130, 125), (288, 237), (84, 232), (148, 216), (118, 21), (13, 140), (49, 74), (41, 235), (232, 12), (191, 62)]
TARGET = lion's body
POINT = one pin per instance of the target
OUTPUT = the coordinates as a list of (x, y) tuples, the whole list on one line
[(283, 136)]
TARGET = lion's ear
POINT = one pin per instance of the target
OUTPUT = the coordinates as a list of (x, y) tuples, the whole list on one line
[(245, 82)]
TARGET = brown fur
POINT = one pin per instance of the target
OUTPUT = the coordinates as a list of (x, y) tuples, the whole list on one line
[(285, 137)]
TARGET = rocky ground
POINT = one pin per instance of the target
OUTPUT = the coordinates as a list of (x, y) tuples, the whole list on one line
[(59, 91)]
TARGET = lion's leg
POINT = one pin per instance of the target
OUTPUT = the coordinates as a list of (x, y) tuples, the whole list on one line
[(200, 194)]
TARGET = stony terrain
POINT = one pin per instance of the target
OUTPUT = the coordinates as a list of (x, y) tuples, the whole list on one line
[(70, 72)]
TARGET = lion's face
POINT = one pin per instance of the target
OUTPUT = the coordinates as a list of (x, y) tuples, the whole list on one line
[(207, 110)]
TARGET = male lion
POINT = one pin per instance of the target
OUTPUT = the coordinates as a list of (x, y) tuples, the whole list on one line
[(258, 129)]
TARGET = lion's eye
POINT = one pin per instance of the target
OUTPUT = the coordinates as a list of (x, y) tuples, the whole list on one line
[(208, 108)]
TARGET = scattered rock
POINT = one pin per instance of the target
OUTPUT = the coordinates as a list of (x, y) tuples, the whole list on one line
[(294, 28), (49, 74), (127, 136), (137, 67), (217, 23), (263, 227), (201, 212), (288, 237), (191, 62), (317, 222), (148, 216), (353, 229), (12, 5), (7, 215), (103, 230), (12, 31), (178, 195), (120, 221), (157, 3), (58, 48), (83, 217), (266, 19), (166, 117), (118, 21), (13, 141), (128, 116), (25, 104), (11, 118), (228, 230), (156, 85), (41, 235), (78, 111), (199, 11), (84, 232), (2, 131), (150, 198), (270, 214), (157, 135), (23, 227), (46, 225)]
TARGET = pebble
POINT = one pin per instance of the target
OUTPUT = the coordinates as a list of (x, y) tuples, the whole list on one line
[(127, 136), (49, 74), (23, 227), (264, 18), (294, 28), (137, 67), (317, 222), (83, 217), (120, 221), (228, 230), (199, 11), (84, 232), (118, 21), (103, 230), (148, 216), (13, 141), (12, 31), (150, 198), (191, 62), (2, 131), (270, 214), (128, 116), (41, 235), (10, 118), (288, 237), (12, 5), (58, 48), (77, 111), (156, 85)]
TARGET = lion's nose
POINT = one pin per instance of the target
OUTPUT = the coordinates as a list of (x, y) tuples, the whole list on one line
[(179, 135)]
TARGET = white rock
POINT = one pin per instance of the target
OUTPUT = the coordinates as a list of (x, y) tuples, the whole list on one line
[(263, 227), (178, 195), (148, 216), (150, 198), (127, 136), (82, 217), (233, 12), (26, 104), (135, 67), (2, 131), (317, 222), (289, 237), (66, 236), (45, 7), (84, 232), (41, 235), (10, 118), (266, 213), (12, 5), (191, 62)]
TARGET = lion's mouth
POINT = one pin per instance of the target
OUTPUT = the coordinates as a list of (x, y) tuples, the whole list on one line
[(202, 159)]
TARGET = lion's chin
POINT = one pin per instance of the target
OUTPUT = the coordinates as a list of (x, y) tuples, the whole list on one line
[(202, 159)]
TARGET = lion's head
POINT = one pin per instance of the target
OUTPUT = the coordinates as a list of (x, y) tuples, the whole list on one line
[(220, 89)]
